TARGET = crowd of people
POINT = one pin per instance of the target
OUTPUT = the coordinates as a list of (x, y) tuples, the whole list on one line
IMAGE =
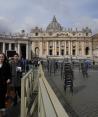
[(10, 76), (53, 65), (66, 69), (11, 73)]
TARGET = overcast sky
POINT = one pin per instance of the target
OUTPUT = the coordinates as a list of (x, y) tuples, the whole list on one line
[(16, 15)]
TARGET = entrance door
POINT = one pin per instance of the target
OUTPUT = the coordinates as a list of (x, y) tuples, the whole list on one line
[(23, 50)]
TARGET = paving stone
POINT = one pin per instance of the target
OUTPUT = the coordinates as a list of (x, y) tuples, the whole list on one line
[(84, 101)]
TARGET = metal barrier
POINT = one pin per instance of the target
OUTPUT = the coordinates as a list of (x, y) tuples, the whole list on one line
[(48, 103), (28, 87)]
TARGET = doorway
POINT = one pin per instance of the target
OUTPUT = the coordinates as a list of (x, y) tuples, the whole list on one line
[(23, 50)]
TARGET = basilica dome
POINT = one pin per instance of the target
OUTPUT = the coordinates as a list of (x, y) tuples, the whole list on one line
[(54, 26)]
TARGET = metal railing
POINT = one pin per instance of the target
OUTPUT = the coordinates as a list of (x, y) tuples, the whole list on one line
[(28, 87), (48, 103)]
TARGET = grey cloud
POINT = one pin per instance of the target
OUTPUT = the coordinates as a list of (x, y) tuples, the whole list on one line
[(5, 25), (28, 13)]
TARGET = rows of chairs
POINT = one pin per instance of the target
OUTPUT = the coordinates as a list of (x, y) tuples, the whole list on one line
[(68, 76)]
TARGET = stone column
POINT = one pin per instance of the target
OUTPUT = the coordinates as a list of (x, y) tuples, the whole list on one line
[(69, 52), (77, 48), (29, 50), (47, 51), (3, 47), (59, 48), (65, 48), (27, 57), (71, 47), (33, 48), (9, 46), (83, 49), (18, 48), (90, 52), (41, 49), (54, 47)]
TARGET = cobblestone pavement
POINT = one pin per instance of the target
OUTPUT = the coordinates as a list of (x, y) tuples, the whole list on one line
[(84, 100)]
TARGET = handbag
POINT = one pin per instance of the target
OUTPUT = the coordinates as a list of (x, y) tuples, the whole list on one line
[(10, 96)]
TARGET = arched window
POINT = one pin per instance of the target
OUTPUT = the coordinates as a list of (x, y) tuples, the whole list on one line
[(36, 34), (86, 34), (86, 50)]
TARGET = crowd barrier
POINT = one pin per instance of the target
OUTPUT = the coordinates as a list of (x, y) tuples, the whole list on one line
[(48, 103)]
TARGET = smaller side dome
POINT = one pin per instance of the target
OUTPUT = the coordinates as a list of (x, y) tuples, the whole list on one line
[(87, 30)]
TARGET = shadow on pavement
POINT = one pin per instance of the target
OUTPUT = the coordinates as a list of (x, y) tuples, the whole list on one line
[(79, 88)]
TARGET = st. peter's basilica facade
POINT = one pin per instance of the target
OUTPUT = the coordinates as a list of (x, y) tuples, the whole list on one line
[(55, 41)]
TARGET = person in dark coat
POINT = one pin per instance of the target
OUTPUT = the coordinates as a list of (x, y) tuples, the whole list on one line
[(16, 69), (5, 78), (84, 68), (25, 65)]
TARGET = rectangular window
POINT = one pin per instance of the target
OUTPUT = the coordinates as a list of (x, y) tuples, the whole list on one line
[(57, 53), (87, 51), (62, 52), (50, 52), (73, 52)]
